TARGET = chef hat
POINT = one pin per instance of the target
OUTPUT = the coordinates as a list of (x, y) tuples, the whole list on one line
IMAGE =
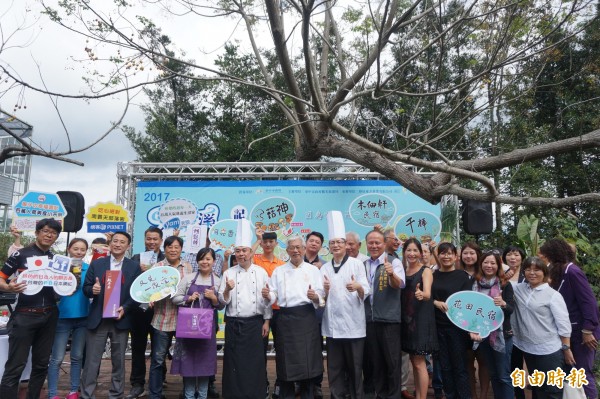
[(244, 234), (335, 225)]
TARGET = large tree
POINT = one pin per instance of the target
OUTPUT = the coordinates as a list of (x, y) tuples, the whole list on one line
[(436, 65), (190, 120)]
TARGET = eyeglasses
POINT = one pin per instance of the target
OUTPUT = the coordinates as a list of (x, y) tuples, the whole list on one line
[(392, 238), (49, 232), (336, 242)]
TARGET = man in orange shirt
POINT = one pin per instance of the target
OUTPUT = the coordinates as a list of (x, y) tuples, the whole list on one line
[(268, 261)]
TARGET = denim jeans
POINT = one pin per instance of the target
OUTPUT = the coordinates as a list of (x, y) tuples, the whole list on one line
[(498, 364), (66, 327), (160, 345), (189, 387), (437, 382), (454, 343)]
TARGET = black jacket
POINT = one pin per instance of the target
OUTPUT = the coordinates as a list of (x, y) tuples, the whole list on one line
[(130, 270)]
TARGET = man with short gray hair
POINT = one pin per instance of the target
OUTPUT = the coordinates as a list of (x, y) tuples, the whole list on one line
[(297, 287), (353, 244)]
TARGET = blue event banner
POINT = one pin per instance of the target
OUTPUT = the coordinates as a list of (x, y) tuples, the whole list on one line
[(286, 207)]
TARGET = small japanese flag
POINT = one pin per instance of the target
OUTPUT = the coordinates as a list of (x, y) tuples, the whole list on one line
[(38, 262)]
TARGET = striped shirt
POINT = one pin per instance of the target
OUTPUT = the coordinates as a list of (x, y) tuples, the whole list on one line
[(165, 313)]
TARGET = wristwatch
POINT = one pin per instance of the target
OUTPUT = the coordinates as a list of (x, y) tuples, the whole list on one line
[(565, 347)]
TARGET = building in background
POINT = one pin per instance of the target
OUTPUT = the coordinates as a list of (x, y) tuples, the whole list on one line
[(17, 169)]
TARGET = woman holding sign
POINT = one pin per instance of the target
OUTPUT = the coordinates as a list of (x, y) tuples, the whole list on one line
[(470, 256), (497, 347), (196, 359), (419, 335), (453, 341), (73, 311)]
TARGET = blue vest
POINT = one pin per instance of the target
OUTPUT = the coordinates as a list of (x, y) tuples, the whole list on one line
[(76, 305)]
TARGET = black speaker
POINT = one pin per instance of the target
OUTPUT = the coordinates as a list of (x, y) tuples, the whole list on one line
[(477, 217), (75, 206)]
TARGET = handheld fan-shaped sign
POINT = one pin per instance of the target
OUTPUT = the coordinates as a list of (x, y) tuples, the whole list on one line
[(35, 206), (155, 284), (425, 226), (273, 214), (107, 217), (371, 209), (474, 312), (42, 272), (222, 234), (177, 213)]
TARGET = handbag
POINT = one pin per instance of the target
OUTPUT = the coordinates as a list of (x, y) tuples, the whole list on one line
[(570, 392), (194, 322)]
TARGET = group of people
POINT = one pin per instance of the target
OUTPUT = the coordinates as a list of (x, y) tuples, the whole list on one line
[(380, 314)]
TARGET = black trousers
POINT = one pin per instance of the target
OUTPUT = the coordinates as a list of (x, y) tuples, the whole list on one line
[(28, 331), (288, 389), (345, 359), (454, 343), (517, 360), (140, 330), (272, 325), (383, 343), (545, 363)]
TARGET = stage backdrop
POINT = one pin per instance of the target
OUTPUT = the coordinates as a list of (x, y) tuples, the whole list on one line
[(287, 207)]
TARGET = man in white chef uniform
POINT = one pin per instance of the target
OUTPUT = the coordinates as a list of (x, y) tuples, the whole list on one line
[(344, 326), (248, 316), (297, 287)]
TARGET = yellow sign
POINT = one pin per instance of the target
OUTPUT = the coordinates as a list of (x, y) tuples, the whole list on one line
[(107, 217)]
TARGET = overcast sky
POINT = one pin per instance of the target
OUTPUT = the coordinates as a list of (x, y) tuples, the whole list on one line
[(44, 44)]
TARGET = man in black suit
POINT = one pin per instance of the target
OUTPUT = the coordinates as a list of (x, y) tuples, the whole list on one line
[(99, 328)]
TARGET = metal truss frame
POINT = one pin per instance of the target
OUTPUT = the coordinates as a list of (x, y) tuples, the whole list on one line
[(130, 173)]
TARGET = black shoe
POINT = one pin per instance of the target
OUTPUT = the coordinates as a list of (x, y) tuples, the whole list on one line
[(137, 391), (275, 394), (212, 391), (318, 392)]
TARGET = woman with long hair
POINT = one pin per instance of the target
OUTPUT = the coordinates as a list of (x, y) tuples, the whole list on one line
[(568, 279), (470, 254), (72, 321), (513, 256), (419, 335), (497, 347)]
